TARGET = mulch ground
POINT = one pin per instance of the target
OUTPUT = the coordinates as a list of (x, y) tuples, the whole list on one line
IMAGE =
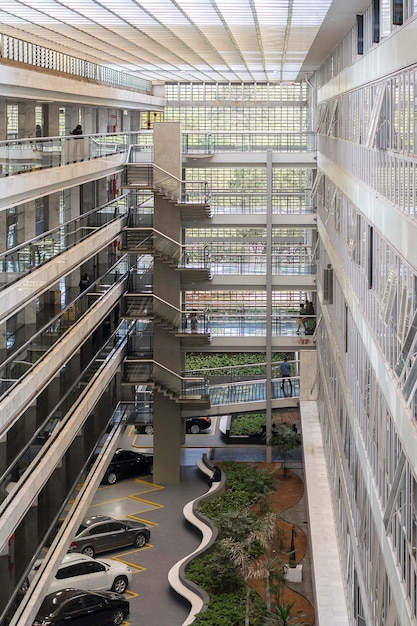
[(289, 489)]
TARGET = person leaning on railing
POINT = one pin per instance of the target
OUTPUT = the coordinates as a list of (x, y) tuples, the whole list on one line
[(310, 320), (78, 145)]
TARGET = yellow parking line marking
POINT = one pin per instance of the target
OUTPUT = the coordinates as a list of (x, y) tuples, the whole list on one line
[(154, 505), (134, 566), (131, 594), (154, 486), (136, 445), (132, 496), (148, 522)]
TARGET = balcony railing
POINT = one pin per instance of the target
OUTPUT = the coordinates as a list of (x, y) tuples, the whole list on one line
[(32, 54), (22, 259), (215, 142), (24, 359), (18, 156)]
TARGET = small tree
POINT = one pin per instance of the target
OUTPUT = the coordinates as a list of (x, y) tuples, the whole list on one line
[(247, 556), (284, 439)]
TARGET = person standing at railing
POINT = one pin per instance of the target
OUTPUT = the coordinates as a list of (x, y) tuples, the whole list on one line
[(78, 144), (310, 323), (193, 321), (84, 282), (301, 319), (286, 375)]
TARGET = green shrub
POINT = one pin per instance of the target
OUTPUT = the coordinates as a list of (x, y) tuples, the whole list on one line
[(201, 361), (229, 610), (248, 424), (215, 572)]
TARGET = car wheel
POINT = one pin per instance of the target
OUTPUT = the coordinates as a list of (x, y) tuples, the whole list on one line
[(117, 617), (149, 429), (88, 551), (111, 478), (195, 429), (140, 540), (120, 584)]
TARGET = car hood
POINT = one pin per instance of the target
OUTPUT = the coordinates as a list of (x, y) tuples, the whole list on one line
[(115, 566), (112, 595)]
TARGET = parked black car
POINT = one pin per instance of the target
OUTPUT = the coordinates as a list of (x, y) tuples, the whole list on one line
[(193, 425), (128, 464), (101, 533), (73, 606)]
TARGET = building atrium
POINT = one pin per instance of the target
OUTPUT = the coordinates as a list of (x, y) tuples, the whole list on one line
[(176, 178)]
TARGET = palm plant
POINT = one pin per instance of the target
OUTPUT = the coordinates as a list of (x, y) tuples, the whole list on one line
[(282, 615), (248, 556)]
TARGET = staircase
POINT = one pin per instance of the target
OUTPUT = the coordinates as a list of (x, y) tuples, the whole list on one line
[(187, 391)]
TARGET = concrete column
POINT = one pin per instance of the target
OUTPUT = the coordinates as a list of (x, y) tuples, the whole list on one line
[(29, 423), (125, 125), (26, 119), (23, 544), (51, 120), (101, 190), (51, 498), (168, 429), (3, 247), (135, 120), (308, 375), (89, 200), (89, 121), (3, 453), (27, 230), (51, 218), (48, 400), (6, 580), (75, 459), (167, 441), (102, 120), (3, 119)]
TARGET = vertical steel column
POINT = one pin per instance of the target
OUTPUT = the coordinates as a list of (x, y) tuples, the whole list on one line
[(268, 287)]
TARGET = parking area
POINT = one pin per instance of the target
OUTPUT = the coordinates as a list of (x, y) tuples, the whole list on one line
[(151, 599), (160, 507)]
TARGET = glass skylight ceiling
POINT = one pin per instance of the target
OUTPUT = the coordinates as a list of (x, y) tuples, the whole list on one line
[(178, 40)]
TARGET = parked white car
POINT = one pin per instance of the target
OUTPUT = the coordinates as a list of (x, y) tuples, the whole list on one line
[(84, 572)]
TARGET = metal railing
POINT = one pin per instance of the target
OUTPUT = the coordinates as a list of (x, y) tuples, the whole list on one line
[(152, 176), (18, 156), (22, 259), (251, 201), (206, 143), (181, 387), (32, 54), (25, 358)]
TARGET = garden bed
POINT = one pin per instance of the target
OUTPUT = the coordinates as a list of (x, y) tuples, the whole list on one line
[(249, 428)]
